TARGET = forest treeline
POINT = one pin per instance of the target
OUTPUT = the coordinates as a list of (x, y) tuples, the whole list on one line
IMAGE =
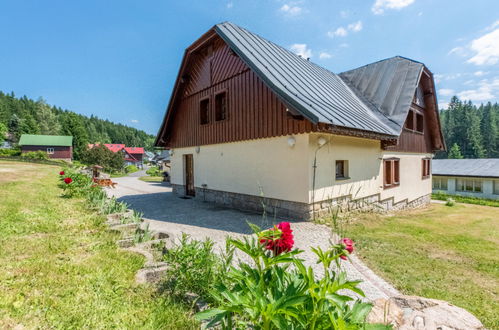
[(470, 131), (22, 115)]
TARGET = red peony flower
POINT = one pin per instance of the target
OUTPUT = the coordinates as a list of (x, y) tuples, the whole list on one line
[(279, 239), (68, 180), (61, 173), (348, 244)]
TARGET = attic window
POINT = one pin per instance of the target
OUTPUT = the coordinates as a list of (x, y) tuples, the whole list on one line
[(419, 123), (204, 111), (415, 121), (409, 124), (221, 106)]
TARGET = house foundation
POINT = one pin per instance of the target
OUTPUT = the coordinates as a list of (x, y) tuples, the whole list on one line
[(299, 211)]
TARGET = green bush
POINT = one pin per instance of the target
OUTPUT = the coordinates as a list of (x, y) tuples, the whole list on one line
[(74, 183), (131, 169), (36, 155), (154, 171), (439, 195), (193, 267), (277, 291), (10, 152)]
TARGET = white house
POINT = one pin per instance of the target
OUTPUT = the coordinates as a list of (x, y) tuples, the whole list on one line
[(249, 124), (467, 177)]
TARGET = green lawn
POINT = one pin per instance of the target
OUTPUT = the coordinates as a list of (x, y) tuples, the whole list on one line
[(151, 178), (60, 268), (448, 253)]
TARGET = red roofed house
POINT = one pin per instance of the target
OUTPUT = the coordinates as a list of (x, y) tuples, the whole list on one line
[(132, 155)]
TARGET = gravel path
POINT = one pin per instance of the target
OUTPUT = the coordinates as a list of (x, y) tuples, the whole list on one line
[(168, 213)]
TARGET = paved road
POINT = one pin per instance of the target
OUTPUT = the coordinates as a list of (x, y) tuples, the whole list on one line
[(168, 213)]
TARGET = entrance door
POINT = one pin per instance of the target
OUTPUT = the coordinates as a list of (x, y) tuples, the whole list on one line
[(189, 175)]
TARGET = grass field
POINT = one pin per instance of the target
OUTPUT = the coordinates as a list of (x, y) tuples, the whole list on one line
[(151, 178), (60, 268), (448, 253)]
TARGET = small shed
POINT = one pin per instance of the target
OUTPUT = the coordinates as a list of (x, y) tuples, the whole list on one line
[(56, 146)]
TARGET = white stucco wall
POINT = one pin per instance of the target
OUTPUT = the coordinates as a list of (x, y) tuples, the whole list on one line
[(279, 171), (365, 169), (269, 166)]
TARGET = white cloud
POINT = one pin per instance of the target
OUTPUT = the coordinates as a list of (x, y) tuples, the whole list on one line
[(135, 121), (480, 73), (291, 9), (486, 48), (438, 77), (355, 27), (485, 91), (325, 55), (380, 6), (230, 5), (339, 32), (302, 50), (343, 31), (446, 92), (460, 51)]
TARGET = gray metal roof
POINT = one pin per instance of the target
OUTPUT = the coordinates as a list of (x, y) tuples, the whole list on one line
[(318, 94), (388, 85), (485, 167)]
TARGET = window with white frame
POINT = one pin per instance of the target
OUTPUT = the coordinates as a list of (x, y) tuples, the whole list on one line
[(439, 183), (50, 151), (469, 185)]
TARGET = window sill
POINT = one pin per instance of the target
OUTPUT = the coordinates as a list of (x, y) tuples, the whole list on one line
[(426, 177), (391, 186), (342, 178)]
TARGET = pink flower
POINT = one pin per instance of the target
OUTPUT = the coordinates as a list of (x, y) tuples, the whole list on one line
[(348, 244), (278, 239), (68, 180)]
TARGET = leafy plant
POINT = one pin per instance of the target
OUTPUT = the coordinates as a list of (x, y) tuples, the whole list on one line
[(142, 235), (450, 202), (154, 171), (194, 267), (131, 169), (277, 291), (36, 155)]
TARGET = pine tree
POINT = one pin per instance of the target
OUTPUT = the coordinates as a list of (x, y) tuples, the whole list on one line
[(71, 125), (490, 131), (455, 152), (3, 132)]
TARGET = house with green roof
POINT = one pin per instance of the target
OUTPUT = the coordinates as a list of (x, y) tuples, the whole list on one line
[(56, 146)]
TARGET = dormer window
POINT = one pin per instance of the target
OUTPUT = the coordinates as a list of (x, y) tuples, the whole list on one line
[(415, 121)]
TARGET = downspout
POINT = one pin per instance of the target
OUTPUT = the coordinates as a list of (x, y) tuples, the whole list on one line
[(313, 175)]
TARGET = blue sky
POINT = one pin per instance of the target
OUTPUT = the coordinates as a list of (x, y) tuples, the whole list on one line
[(119, 59)]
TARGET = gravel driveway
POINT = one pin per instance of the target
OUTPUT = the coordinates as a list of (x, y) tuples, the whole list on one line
[(166, 212)]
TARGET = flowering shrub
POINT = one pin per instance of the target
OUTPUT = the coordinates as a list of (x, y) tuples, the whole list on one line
[(277, 291), (278, 239), (348, 246), (74, 183)]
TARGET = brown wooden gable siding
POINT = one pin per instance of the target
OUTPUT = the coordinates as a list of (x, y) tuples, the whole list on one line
[(410, 141), (253, 111), (60, 152)]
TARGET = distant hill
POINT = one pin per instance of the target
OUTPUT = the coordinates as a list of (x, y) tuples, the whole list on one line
[(23, 115)]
